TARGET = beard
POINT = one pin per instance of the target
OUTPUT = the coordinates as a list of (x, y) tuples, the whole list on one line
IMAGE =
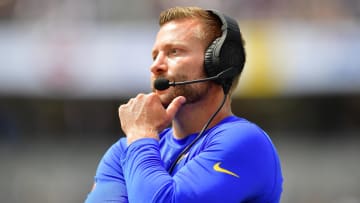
[(192, 92)]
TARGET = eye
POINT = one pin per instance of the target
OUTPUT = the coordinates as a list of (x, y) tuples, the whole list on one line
[(174, 51), (154, 56)]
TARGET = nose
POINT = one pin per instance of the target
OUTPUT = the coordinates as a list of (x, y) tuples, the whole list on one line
[(159, 65)]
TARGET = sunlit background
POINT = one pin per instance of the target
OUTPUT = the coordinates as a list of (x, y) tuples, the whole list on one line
[(66, 66)]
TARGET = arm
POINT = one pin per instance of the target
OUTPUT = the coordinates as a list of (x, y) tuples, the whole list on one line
[(109, 181)]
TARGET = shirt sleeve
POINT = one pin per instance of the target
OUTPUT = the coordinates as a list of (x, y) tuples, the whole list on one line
[(110, 184), (236, 165)]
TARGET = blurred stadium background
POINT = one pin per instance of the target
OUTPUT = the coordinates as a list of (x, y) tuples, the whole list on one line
[(66, 66)]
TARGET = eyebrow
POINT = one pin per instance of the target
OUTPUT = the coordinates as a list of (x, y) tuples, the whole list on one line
[(167, 46)]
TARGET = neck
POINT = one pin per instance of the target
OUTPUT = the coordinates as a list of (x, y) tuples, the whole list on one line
[(191, 118)]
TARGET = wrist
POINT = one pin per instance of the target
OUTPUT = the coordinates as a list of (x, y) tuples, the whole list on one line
[(134, 136)]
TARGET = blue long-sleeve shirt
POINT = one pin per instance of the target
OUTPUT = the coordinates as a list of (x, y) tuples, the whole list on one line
[(234, 162)]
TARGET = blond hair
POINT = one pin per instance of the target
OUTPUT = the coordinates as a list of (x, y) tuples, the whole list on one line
[(211, 25)]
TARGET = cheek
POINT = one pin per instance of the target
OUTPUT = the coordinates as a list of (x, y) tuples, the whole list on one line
[(197, 68), (192, 66)]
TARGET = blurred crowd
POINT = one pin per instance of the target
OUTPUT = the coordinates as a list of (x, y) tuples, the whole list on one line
[(299, 59), (122, 10)]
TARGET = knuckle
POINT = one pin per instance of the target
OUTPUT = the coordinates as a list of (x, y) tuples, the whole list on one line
[(121, 107), (141, 95)]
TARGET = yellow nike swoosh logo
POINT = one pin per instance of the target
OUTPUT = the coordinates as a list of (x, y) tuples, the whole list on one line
[(222, 170)]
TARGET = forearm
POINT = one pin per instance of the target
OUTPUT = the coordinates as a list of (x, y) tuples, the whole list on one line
[(110, 184), (144, 172)]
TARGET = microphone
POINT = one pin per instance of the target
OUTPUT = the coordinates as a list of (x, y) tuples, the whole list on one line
[(163, 83)]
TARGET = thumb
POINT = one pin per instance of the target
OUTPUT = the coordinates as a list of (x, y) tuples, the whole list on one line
[(175, 105)]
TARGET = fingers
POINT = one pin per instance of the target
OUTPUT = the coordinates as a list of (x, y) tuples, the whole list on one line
[(147, 111), (174, 106)]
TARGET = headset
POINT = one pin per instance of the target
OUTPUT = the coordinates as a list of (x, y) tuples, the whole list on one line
[(225, 52)]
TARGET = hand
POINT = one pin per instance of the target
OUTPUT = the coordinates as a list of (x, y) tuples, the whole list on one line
[(144, 116)]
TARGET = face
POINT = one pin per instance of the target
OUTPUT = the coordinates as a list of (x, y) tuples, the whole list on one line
[(178, 55)]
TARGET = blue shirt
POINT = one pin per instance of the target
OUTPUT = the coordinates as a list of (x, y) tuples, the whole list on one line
[(235, 161)]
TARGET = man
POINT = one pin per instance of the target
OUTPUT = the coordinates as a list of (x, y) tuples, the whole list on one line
[(208, 154)]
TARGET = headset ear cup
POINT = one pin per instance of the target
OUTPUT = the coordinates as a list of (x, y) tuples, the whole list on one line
[(210, 59)]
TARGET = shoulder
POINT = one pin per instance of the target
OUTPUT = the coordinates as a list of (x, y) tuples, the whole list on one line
[(238, 129), (245, 144), (238, 137)]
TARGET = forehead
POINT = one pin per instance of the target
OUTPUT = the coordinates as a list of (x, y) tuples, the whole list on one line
[(188, 30)]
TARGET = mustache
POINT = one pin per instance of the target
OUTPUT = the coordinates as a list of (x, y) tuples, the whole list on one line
[(177, 78)]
